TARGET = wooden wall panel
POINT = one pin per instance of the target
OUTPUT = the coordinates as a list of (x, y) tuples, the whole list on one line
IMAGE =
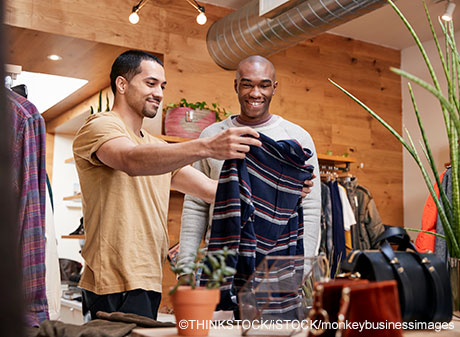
[(49, 154), (304, 96)]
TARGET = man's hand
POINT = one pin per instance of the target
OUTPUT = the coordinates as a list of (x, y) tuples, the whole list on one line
[(233, 143), (307, 186)]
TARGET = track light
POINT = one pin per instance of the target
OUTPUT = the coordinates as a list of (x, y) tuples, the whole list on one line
[(134, 16), (201, 17), (447, 16)]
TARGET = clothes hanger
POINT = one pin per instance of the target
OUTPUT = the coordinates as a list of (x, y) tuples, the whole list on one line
[(11, 71), (345, 176), (8, 82)]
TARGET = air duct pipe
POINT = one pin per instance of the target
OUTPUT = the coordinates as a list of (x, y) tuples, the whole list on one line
[(244, 32)]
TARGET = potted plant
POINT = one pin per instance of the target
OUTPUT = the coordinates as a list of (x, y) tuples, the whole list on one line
[(193, 304), (449, 212), (189, 119), (99, 104)]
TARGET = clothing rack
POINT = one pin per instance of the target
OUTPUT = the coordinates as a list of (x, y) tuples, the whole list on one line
[(340, 162), (333, 167)]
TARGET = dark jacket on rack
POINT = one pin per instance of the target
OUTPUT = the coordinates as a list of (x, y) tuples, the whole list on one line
[(440, 245), (368, 222)]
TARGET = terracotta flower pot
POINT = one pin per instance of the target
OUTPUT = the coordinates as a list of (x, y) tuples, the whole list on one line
[(186, 122), (193, 309)]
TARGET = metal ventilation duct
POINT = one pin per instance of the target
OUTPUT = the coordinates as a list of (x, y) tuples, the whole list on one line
[(244, 33)]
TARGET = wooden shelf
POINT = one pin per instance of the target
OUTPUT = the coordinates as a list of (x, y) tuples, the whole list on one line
[(69, 160), (339, 159), (336, 161), (74, 236), (73, 197)]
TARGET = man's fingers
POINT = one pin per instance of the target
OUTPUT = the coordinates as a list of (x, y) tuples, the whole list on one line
[(307, 185), (246, 130), (249, 141)]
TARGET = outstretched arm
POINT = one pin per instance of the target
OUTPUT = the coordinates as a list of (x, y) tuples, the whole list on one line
[(153, 159), (189, 180)]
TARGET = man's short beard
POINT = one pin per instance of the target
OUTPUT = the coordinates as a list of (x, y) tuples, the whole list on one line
[(148, 115)]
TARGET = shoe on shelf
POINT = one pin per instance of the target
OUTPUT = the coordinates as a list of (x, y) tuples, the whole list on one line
[(80, 230)]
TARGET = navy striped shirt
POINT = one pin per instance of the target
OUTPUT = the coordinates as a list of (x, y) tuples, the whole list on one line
[(258, 208)]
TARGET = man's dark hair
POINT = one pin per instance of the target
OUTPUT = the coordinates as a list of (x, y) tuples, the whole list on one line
[(128, 64)]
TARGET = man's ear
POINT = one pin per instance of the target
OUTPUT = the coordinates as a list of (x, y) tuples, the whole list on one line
[(235, 85), (121, 84), (274, 86)]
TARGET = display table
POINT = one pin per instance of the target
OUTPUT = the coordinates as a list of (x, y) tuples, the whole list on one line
[(236, 332)]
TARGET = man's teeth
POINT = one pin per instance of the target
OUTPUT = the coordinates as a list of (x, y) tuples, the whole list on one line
[(255, 103)]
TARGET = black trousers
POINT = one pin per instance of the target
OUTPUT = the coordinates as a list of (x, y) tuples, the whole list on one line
[(137, 301)]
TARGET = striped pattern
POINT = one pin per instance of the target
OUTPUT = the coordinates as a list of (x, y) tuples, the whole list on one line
[(258, 209), (276, 287), (30, 183)]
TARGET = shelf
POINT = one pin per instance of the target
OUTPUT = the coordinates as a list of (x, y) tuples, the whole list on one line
[(69, 160), (73, 197), (74, 236), (336, 161)]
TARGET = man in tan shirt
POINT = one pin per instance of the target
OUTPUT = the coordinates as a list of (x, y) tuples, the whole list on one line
[(125, 176)]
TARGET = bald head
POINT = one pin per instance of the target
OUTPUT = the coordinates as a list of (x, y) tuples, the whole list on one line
[(255, 85), (256, 62)]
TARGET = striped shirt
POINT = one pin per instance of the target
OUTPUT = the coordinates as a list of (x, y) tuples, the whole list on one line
[(258, 209)]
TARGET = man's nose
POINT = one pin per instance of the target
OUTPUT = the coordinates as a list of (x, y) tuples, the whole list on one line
[(158, 92), (255, 92)]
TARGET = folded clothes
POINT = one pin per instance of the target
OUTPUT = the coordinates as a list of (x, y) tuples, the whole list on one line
[(95, 328), (140, 321)]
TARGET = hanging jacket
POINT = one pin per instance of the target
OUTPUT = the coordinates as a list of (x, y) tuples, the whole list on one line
[(30, 184), (440, 245), (326, 221), (338, 232), (368, 222), (424, 241), (258, 210)]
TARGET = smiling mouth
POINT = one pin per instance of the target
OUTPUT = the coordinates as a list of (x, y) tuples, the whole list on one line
[(255, 103), (153, 102)]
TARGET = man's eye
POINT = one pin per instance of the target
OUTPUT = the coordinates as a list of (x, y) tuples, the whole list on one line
[(247, 86)]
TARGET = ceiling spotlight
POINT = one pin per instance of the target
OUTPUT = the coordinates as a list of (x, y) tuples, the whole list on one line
[(54, 57), (447, 16), (201, 17), (134, 16)]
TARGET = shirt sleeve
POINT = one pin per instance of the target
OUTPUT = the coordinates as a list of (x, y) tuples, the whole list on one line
[(312, 205), (95, 132), (194, 222)]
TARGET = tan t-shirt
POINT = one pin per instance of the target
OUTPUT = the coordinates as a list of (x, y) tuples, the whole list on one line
[(125, 218)]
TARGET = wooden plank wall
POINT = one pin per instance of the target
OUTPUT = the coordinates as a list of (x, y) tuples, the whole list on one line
[(304, 95)]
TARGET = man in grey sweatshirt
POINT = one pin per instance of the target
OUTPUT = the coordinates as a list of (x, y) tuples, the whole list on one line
[(255, 84)]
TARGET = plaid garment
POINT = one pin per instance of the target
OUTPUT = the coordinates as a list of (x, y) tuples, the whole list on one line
[(29, 139), (258, 209)]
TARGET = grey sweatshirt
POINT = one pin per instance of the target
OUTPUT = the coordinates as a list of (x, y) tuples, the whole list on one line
[(197, 215)]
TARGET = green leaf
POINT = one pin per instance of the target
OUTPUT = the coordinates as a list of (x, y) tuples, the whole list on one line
[(228, 271), (427, 232), (213, 261), (99, 102), (108, 102)]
